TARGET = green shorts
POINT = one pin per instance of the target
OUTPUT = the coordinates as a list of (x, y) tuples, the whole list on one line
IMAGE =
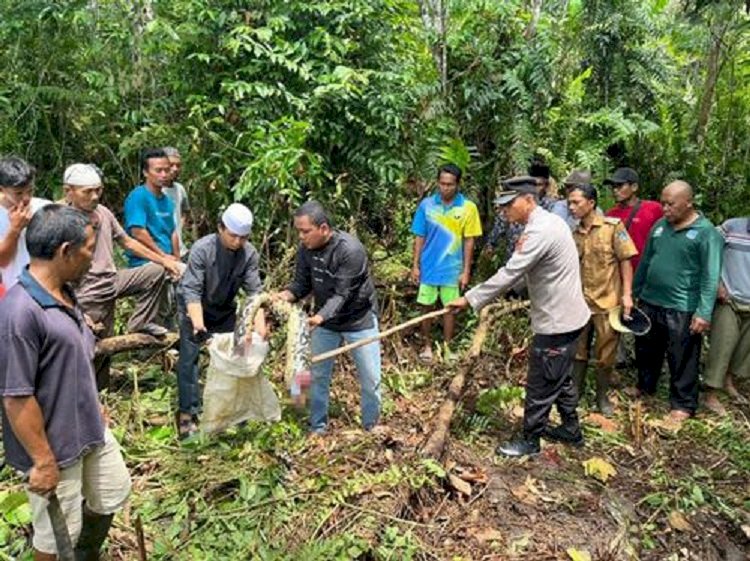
[(428, 294)]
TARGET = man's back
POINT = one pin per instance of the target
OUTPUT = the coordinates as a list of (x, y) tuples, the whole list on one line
[(557, 302)]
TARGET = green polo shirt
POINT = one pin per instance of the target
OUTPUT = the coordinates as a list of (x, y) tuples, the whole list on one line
[(680, 268)]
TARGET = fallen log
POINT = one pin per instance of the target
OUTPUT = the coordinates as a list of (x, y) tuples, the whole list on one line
[(433, 447), (133, 342)]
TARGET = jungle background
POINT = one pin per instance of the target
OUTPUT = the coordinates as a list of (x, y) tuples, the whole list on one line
[(356, 103)]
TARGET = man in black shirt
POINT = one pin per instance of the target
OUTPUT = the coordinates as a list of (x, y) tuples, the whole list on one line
[(332, 266)]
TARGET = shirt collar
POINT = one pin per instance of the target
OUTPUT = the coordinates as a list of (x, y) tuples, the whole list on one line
[(536, 212), (458, 200), (39, 293), (694, 224), (597, 221)]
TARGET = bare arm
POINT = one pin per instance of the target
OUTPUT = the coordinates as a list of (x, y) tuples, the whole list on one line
[(195, 313), (19, 217), (142, 235), (140, 250), (175, 245), (418, 246), (8, 247), (465, 277), (626, 274), (27, 423)]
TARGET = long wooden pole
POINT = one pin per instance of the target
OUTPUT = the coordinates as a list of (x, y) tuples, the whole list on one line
[(381, 335)]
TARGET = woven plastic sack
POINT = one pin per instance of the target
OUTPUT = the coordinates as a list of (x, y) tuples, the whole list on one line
[(235, 391)]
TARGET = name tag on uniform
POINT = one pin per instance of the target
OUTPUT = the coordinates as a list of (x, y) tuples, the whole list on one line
[(692, 234)]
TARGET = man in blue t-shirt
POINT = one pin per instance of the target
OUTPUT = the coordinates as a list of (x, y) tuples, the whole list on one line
[(149, 213), (445, 227)]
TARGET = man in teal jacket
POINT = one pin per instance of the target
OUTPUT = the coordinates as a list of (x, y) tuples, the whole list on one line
[(676, 284)]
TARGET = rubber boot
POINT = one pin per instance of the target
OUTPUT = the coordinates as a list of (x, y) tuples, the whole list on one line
[(602, 387), (579, 377), (94, 531)]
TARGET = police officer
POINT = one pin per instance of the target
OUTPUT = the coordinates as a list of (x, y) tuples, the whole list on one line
[(605, 249), (545, 257)]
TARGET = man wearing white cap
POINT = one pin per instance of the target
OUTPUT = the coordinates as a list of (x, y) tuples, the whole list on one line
[(100, 288), (219, 266)]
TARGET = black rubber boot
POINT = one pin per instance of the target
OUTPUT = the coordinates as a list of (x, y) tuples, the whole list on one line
[(579, 377), (602, 387), (93, 533), (566, 435), (521, 447)]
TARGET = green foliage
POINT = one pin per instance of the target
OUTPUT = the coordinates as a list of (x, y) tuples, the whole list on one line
[(276, 102), (491, 402)]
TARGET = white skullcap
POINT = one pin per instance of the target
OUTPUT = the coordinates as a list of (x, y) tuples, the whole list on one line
[(81, 175), (238, 219)]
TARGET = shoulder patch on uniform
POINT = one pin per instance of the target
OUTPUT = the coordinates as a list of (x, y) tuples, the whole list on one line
[(611, 220)]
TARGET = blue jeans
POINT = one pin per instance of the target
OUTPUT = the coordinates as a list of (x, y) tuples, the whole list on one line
[(367, 360)]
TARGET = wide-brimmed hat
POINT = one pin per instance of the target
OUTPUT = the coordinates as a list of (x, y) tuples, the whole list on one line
[(638, 323)]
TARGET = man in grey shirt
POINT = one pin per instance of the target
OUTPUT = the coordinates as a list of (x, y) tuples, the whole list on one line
[(219, 266), (546, 258)]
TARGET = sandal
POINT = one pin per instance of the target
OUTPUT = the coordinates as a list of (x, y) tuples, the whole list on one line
[(186, 428), (426, 355)]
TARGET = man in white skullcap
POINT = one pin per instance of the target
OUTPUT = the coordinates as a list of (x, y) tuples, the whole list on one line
[(219, 266), (100, 288)]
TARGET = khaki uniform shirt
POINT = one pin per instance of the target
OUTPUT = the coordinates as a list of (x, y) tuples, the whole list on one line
[(601, 250)]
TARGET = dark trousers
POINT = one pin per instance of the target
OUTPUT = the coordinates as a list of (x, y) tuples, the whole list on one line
[(188, 373), (670, 335), (549, 383)]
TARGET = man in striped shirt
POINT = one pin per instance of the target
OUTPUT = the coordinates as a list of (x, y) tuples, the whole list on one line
[(729, 352)]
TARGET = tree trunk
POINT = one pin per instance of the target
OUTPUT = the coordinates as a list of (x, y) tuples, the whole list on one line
[(709, 87), (718, 29), (434, 17), (536, 12)]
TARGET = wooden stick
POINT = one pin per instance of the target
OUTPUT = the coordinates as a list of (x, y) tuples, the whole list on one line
[(140, 537), (381, 335)]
